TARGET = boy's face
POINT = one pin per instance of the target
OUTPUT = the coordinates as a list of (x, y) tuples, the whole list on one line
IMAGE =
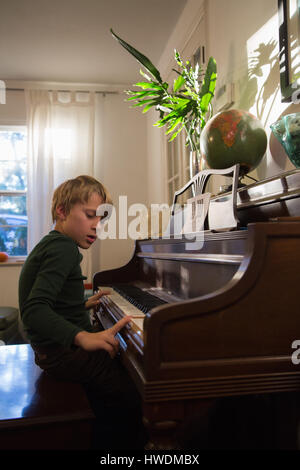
[(81, 222)]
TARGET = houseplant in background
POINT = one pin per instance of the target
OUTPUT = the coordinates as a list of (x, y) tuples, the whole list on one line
[(184, 105)]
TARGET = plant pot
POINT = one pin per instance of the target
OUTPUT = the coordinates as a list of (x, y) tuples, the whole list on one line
[(197, 162), (194, 163)]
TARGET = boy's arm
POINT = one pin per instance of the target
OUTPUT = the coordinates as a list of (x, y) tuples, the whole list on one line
[(37, 311)]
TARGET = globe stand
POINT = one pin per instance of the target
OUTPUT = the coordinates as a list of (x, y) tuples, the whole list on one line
[(228, 187)]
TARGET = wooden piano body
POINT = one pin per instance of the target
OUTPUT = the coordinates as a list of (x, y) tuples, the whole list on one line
[(232, 318)]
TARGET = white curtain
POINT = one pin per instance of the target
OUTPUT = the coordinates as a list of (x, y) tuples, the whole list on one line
[(60, 146)]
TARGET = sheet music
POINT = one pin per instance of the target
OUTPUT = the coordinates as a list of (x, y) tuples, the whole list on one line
[(197, 209)]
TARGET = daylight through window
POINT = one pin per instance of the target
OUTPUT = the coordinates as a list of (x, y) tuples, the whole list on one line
[(13, 190)]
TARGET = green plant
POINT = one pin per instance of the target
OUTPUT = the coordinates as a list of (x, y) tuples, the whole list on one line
[(185, 105)]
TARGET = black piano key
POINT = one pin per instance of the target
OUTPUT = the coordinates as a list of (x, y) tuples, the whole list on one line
[(138, 297)]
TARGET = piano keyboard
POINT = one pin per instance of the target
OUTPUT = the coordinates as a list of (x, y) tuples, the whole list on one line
[(132, 300), (140, 298)]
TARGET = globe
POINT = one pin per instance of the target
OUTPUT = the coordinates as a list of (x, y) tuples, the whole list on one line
[(231, 137)]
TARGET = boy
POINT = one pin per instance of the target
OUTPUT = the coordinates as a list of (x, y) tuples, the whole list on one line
[(51, 298)]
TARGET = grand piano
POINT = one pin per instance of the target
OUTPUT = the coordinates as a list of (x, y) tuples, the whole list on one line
[(214, 323)]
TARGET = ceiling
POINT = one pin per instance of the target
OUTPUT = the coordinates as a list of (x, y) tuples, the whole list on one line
[(70, 40)]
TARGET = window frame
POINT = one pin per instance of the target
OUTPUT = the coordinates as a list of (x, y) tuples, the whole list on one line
[(15, 127), (177, 179)]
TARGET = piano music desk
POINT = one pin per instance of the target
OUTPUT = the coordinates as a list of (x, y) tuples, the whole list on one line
[(37, 412)]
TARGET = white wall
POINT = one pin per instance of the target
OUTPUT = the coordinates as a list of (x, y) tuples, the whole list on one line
[(13, 112), (9, 276), (155, 160)]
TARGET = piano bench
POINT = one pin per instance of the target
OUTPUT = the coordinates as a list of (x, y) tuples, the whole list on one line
[(38, 412)]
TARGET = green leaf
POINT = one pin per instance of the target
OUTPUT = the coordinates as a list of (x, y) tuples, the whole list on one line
[(178, 83), (169, 117), (140, 57), (209, 84), (146, 85), (180, 102), (159, 124), (178, 73), (146, 108), (175, 124), (145, 75), (188, 103), (176, 133), (140, 94), (142, 102)]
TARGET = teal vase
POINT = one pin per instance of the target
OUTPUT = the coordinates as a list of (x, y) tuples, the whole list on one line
[(287, 131)]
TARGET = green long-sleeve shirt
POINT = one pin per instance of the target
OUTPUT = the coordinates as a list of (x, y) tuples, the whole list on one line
[(51, 292)]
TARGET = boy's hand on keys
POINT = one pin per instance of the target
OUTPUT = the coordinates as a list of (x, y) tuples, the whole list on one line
[(94, 300), (103, 339)]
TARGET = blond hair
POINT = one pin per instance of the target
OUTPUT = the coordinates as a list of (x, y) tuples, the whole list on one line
[(77, 190)]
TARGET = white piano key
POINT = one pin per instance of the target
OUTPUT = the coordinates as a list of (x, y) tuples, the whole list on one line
[(127, 307)]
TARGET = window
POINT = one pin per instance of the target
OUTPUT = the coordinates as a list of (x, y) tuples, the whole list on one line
[(178, 168), (13, 190)]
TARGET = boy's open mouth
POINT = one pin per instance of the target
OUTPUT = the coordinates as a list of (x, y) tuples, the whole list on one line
[(91, 238)]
